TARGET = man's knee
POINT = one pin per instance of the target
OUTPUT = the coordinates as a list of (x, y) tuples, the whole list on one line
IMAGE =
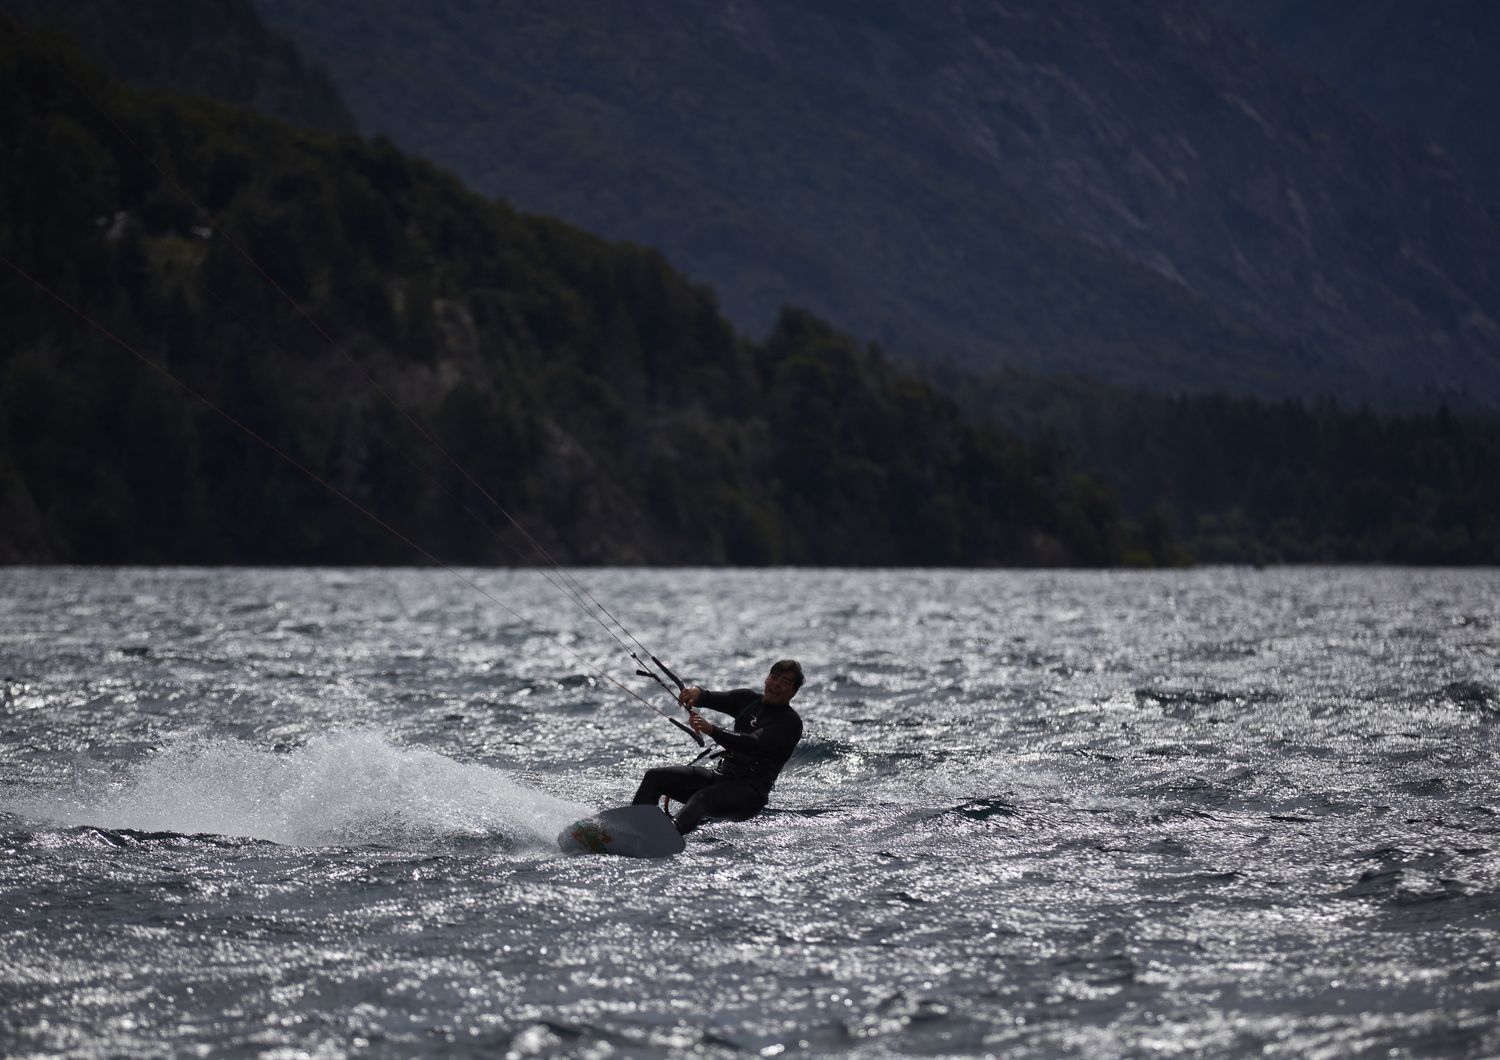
[(651, 789), (679, 782), (727, 802)]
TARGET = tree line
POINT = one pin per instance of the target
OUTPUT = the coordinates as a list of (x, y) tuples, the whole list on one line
[(1239, 480)]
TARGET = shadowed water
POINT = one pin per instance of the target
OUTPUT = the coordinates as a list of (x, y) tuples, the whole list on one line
[(1035, 814)]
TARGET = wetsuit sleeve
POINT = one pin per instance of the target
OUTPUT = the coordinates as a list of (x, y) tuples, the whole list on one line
[(774, 739), (731, 703)]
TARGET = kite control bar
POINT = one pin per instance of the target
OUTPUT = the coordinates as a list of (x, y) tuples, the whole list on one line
[(642, 671)]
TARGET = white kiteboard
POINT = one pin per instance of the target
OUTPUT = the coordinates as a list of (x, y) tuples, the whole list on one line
[(629, 831)]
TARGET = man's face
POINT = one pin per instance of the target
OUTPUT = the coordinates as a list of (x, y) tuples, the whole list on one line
[(781, 686)]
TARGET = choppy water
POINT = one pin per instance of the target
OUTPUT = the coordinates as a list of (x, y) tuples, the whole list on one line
[(1035, 814)]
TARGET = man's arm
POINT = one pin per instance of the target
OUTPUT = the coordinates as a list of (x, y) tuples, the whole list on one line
[(731, 703)]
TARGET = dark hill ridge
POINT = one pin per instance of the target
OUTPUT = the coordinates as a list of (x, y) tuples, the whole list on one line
[(603, 399), (215, 48), (1138, 192)]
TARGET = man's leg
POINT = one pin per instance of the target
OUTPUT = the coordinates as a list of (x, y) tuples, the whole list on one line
[(730, 800), (679, 782)]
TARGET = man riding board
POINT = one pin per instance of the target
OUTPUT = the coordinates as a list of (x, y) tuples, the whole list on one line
[(766, 730)]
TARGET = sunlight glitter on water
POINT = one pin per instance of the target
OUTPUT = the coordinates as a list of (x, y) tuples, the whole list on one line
[(1034, 813)]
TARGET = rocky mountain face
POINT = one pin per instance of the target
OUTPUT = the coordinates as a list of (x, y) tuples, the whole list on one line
[(1158, 134), (1426, 69), (1142, 192)]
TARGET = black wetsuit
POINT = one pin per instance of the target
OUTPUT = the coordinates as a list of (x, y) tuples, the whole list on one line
[(763, 738)]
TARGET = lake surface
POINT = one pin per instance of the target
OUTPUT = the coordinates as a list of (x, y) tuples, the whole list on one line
[(313, 812)]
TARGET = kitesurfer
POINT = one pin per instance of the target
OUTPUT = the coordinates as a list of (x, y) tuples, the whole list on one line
[(766, 730)]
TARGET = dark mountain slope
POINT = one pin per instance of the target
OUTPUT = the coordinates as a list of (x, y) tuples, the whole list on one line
[(215, 48), (775, 182), (1429, 69), (932, 175), (599, 396)]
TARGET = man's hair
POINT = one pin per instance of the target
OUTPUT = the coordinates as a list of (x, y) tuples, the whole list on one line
[(792, 666)]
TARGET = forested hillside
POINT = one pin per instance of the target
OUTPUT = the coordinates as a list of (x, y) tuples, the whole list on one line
[(1247, 481), (215, 48), (602, 399)]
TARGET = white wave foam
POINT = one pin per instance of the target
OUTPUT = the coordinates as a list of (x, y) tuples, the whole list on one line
[(346, 788)]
